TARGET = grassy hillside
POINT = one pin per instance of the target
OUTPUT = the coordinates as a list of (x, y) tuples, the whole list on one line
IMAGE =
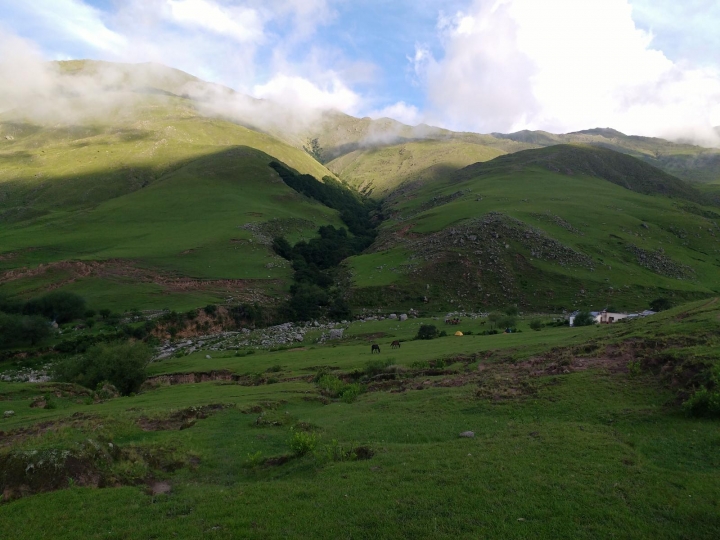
[(380, 171), (578, 433), (513, 230), (152, 205), (686, 161)]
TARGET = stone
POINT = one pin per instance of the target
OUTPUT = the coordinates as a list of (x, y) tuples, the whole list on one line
[(403, 317), (298, 337), (208, 356), (8, 414), (336, 333), (392, 316), (467, 434)]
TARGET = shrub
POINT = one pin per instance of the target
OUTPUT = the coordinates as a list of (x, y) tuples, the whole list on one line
[(427, 331), (302, 442), (333, 387), (210, 310), (512, 311), (536, 324), (373, 367), (254, 460), (274, 369), (105, 313), (443, 334), (122, 363), (351, 392), (508, 321), (704, 403)]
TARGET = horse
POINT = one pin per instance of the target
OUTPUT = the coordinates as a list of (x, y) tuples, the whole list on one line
[(395, 344), (375, 347)]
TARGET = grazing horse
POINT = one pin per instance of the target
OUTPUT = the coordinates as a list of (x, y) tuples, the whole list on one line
[(375, 347), (395, 344)]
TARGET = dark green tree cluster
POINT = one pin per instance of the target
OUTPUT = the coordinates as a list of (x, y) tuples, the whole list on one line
[(28, 323), (315, 262)]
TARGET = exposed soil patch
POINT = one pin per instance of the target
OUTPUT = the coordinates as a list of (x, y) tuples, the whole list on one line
[(118, 269), (92, 463), (180, 420), (78, 421)]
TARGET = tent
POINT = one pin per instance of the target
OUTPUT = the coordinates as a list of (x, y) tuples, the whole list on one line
[(458, 333)]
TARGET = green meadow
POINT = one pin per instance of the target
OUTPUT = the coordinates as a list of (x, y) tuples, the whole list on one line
[(597, 451)]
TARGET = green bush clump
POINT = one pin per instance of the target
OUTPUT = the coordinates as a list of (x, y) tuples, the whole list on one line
[(427, 331), (373, 367), (703, 403), (333, 387), (536, 324), (123, 364), (302, 442)]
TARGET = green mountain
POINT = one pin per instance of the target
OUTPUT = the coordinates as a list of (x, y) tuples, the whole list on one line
[(558, 228), (138, 189)]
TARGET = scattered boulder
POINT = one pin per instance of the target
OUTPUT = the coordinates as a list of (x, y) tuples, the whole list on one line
[(8, 414), (392, 316), (403, 317), (467, 434), (207, 356), (336, 333)]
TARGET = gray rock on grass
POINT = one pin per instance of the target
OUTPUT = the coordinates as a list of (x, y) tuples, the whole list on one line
[(467, 434)]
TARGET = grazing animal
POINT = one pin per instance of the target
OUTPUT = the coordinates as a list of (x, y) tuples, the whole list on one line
[(375, 347), (395, 344)]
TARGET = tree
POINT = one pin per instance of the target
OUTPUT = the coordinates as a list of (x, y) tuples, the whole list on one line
[(427, 331), (494, 318), (508, 321), (584, 319), (660, 304), (105, 313), (313, 148), (16, 330), (59, 306), (123, 364)]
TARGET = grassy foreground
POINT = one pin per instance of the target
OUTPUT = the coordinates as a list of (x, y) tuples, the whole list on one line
[(573, 439)]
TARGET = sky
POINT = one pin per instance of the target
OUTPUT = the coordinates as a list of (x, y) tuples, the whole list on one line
[(645, 67)]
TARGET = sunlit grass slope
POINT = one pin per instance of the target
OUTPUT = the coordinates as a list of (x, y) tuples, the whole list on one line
[(432, 247), (379, 171)]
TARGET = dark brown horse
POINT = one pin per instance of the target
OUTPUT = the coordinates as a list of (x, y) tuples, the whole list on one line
[(395, 344), (375, 347)]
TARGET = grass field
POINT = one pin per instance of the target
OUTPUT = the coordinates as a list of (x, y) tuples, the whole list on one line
[(600, 451)]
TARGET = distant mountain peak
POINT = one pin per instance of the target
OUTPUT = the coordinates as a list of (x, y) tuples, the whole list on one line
[(602, 132)]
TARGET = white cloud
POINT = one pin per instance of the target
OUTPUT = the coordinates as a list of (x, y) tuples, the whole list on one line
[(75, 20), (564, 65), (400, 111), (301, 93), (240, 23)]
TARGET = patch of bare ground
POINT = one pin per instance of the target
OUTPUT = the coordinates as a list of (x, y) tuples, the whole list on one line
[(179, 420), (119, 269), (92, 463), (172, 379)]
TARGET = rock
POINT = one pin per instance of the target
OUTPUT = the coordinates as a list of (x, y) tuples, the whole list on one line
[(39, 402), (298, 337), (403, 317), (392, 316), (8, 414), (467, 434), (208, 356), (336, 333)]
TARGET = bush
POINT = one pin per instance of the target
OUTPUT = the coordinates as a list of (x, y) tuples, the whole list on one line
[(508, 321), (584, 319), (427, 331), (302, 442), (121, 363), (703, 403), (373, 367), (512, 311), (536, 324), (333, 387)]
